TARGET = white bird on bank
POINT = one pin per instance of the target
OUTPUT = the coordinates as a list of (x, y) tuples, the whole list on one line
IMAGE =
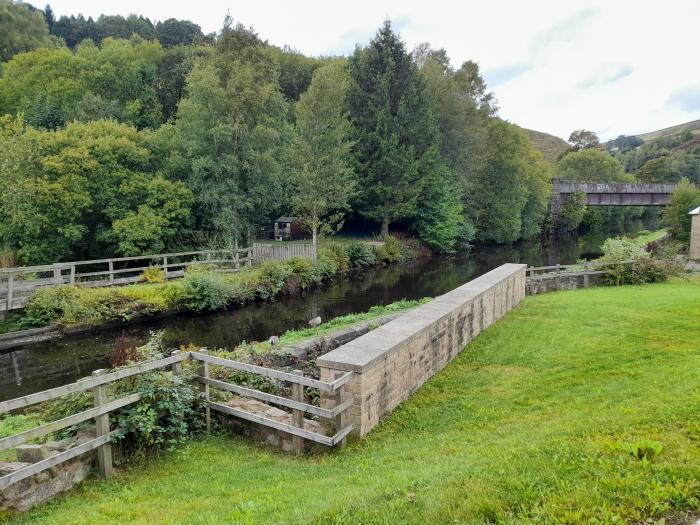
[(274, 340)]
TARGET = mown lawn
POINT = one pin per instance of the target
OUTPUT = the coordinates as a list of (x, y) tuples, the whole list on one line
[(536, 422)]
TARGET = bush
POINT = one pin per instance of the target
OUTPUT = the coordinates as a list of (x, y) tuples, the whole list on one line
[(303, 269), (48, 304), (153, 274), (361, 255), (326, 267), (622, 249), (645, 270), (339, 255), (206, 291), (272, 278), (391, 251)]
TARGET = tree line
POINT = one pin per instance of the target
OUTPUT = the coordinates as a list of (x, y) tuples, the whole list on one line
[(117, 145)]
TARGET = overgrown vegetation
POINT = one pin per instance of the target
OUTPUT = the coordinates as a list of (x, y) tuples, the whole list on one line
[(202, 289), (577, 407)]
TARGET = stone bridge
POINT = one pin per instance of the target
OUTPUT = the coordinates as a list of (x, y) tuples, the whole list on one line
[(611, 194)]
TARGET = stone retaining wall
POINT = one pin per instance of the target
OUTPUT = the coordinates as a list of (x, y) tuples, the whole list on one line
[(394, 360), (562, 281)]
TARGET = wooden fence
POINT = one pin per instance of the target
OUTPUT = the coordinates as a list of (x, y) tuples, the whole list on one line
[(103, 407), (588, 267), (282, 252), (18, 284)]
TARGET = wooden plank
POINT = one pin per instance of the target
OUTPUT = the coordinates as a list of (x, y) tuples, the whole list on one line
[(89, 383), (62, 457), (267, 372), (277, 400), (342, 380), (339, 422), (313, 436), (48, 428)]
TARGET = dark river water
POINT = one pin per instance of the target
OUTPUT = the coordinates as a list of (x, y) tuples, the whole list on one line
[(45, 365)]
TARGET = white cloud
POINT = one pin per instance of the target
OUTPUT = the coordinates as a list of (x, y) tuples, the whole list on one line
[(614, 67)]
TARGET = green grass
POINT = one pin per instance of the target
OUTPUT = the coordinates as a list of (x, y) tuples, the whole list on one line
[(538, 421), (644, 237)]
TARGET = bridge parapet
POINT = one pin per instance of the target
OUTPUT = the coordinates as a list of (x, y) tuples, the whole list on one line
[(612, 193)]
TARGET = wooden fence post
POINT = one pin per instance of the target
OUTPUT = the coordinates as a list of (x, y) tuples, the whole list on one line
[(250, 257), (165, 267), (177, 367), (72, 274), (10, 284), (340, 418), (585, 275), (298, 415), (104, 452), (111, 271), (57, 274), (204, 372)]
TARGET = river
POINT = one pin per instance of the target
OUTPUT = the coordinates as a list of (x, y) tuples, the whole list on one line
[(49, 364)]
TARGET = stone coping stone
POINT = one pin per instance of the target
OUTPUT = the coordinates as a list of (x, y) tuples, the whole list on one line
[(362, 353)]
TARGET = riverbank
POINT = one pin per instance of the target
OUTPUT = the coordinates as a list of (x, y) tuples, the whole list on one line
[(74, 309), (577, 407)]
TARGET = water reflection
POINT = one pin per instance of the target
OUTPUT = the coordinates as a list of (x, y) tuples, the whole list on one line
[(50, 364)]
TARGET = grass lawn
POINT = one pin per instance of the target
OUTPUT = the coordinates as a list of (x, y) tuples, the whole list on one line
[(645, 237), (542, 419)]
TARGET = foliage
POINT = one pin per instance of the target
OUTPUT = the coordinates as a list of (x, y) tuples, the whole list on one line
[(204, 292), (11, 424), (644, 449), (360, 254), (645, 270), (393, 126), (591, 165), (338, 254), (153, 274), (320, 152), (22, 28), (536, 453), (583, 139), (684, 198), (167, 414), (304, 271)]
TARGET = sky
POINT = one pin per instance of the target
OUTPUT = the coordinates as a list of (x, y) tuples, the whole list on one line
[(614, 67)]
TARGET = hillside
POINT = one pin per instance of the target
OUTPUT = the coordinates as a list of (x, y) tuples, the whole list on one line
[(653, 135), (550, 146)]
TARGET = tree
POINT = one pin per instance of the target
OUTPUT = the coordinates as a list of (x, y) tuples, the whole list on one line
[(394, 127), (582, 139), (591, 165), (323, 178), (49, 17), (173, 32), (228, 139), (684, 198), (22, 28)]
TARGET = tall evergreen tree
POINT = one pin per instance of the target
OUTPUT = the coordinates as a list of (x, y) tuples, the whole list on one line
[(49, 17), (394, 127)]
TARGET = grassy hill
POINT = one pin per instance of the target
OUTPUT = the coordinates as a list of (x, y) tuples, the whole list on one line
[(550, 146), (673, 130)]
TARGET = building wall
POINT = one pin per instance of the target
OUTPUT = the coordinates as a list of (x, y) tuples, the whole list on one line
[(394, 360), (695, 238)]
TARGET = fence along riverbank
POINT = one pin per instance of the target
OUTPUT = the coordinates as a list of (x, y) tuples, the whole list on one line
[(18, 284)]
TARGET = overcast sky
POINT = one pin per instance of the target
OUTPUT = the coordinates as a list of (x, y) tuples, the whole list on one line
[(616, 67)]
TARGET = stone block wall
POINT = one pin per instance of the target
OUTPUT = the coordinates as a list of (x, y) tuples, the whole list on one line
[(563, 281), (394, 360)]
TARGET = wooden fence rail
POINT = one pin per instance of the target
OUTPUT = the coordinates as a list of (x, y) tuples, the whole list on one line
[(584, 267), (19, 283), (103, 407)]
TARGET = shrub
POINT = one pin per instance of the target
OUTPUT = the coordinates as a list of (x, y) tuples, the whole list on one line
[(622, 249), (48, 304), (326, 267), (339, 255), (303, 269), (153, 274), (272, 278), (166, 415), (642, 449), (361, 255), (206, 291)]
